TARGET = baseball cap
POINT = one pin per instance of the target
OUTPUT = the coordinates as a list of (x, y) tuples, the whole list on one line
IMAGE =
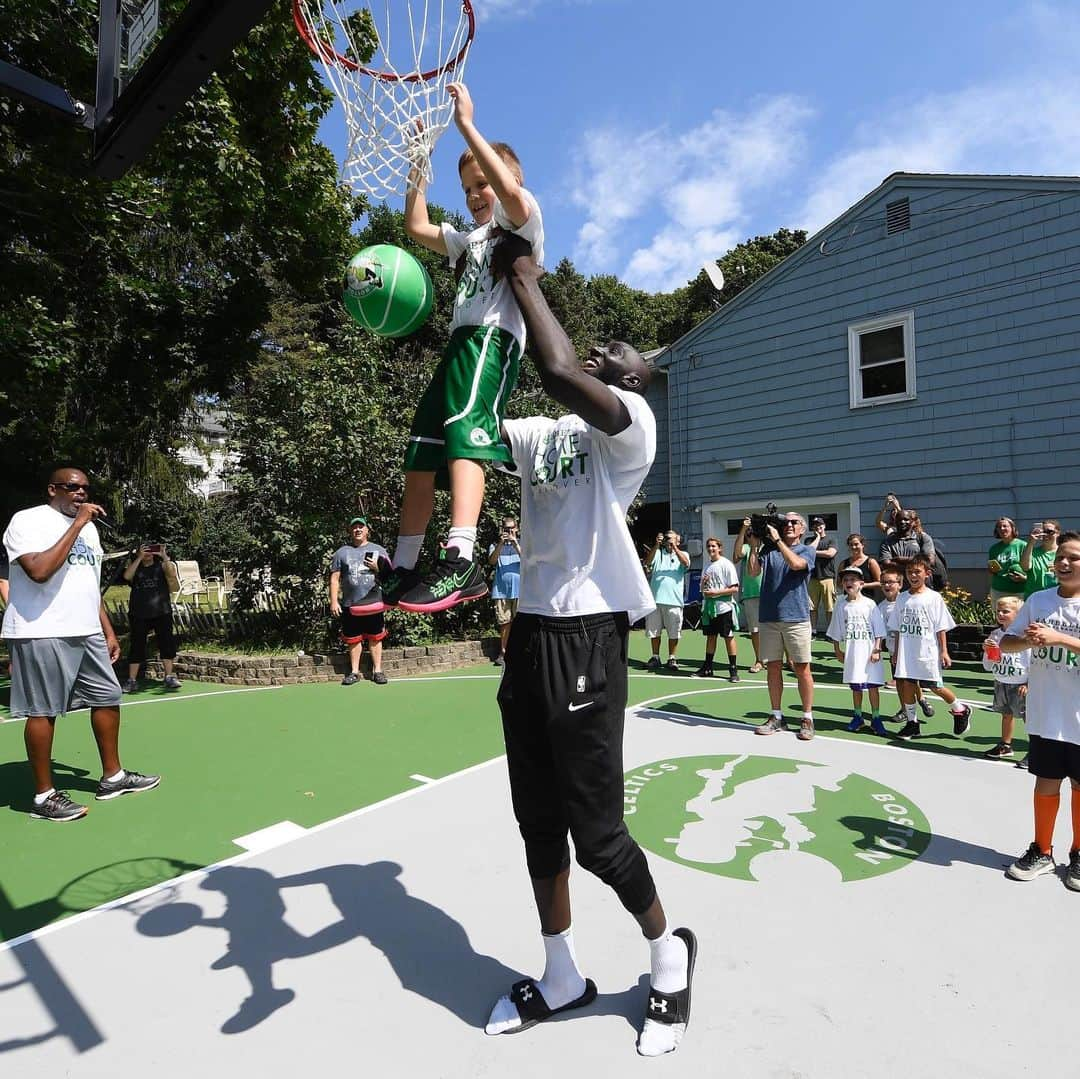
[(855, 570), (358, 521), (817, 520)]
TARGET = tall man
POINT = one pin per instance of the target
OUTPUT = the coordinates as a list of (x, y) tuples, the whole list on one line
[(785, 618), (62, 643), (564, 686)]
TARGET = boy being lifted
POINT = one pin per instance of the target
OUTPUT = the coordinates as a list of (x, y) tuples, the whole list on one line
[(456, 425)]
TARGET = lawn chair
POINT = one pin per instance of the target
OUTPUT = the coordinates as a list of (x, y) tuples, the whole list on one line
[(194, 584)]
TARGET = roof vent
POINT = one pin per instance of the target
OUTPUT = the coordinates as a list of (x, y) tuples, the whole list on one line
[(897, 216)]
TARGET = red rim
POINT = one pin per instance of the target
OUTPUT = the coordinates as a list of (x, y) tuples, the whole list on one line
[(330, 55)]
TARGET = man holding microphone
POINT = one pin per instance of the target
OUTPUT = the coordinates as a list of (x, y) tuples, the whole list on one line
[(62, 643)]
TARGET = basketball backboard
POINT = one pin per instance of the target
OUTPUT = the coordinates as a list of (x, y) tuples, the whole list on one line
[(152, 56)]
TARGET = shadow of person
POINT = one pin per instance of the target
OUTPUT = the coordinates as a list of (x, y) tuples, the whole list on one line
[(936, 849), (428, 950)]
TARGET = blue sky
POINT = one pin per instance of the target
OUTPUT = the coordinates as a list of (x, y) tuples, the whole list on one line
[(659, 135)]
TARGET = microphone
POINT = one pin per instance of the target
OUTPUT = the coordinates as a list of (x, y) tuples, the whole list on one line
[(106, 526)]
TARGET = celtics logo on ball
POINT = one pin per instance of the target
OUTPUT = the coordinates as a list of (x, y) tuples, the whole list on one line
[(719, 814)]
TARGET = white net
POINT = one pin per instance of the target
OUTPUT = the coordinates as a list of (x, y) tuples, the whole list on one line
[(388, 63)]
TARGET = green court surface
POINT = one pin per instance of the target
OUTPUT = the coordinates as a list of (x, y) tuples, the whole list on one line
[(237, 761)]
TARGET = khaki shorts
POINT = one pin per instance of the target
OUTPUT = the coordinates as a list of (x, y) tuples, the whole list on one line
[(505, 611), (822, 593), (776, 636), (666, 618), (750, 614)]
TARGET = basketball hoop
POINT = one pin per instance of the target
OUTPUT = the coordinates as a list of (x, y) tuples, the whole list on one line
[(388, 63)]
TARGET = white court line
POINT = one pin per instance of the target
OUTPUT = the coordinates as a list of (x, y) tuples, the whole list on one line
[(273, 836), (124, 900), (125, 705), (421, 779)]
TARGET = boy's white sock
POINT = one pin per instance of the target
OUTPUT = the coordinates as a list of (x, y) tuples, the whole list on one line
[(464, 539), (909, 712), (39, 799), (407, 551)]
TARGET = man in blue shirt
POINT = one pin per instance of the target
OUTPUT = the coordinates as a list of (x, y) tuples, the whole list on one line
[(505, 556), (667, 566), (786, 564)]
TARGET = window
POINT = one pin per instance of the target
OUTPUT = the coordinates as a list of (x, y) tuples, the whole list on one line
[(881, 359)]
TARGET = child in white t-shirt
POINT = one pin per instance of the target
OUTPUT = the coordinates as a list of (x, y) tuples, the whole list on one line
[(892, 581), (1010, 671), (917, 626), (1049, 624), (857, 625)]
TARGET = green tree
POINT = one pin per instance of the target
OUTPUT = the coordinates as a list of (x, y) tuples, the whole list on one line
[(121, 303)]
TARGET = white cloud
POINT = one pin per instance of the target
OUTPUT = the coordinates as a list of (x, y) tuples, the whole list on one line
[(694, 184), (1020, 126)]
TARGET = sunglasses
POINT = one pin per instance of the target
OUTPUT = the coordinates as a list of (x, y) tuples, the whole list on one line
[(72, 486)]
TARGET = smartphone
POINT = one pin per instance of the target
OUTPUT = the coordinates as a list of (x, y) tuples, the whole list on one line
[(154, 548)]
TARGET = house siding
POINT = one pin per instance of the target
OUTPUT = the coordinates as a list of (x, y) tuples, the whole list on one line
[(991, 271)]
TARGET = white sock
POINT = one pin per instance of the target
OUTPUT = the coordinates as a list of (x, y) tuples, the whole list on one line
[(909, 712), (809, 716), (39, 799), (112, 779), (562, 982), (464, 539), (778, 713), (670, 966), (407, 551), (956, 708)]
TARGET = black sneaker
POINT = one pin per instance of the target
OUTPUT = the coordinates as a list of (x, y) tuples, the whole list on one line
[(129, 783), (1031, 864), (733, 676), (1021, 763), (130, 686), (927, 707), (379, 678), (350, 679), (1072, 876), (372, 603), (961, 721), (395, 582), (909, 730), (705, 671), (999, 752), (57, 807), (653, 664), (454, 580), (672, 664)]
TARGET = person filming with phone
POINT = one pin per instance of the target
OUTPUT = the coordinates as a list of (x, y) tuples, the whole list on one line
[(505, 556), (153, 579)]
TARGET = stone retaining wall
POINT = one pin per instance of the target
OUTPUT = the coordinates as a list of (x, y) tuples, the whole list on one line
[(290, 669)]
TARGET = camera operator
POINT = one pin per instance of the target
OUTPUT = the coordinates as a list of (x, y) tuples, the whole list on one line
[(823, 575), (505, 556), (667, 566), (785, 617), (153, 579)]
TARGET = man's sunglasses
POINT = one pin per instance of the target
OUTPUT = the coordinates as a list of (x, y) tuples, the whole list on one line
[(72, 486)]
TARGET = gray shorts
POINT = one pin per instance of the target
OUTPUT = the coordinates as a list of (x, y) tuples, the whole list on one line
[(1008, 701), (54, 675)]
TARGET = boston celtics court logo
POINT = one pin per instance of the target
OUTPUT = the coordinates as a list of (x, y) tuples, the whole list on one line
[(719, 814)]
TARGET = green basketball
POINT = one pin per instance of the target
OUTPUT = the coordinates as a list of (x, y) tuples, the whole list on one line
[(387, 291)]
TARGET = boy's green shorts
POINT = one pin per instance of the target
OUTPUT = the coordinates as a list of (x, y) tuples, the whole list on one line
[(461, 411)]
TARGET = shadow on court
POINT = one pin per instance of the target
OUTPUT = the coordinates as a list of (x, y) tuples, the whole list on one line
[(936, 849), (428, 950), (17, 783)]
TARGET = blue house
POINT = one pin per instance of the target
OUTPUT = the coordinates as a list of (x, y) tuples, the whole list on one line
[(927, 342)]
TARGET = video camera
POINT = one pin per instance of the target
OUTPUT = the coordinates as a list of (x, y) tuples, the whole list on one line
[(759, 522)]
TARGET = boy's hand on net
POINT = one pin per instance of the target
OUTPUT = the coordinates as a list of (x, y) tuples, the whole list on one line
[(463, 103)]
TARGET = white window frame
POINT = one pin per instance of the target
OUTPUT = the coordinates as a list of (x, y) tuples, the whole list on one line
[(906, 319)]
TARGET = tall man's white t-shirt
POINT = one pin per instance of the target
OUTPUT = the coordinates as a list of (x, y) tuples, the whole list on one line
[(577, 483), (1053, 701), (917, 618), (68, 604)]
